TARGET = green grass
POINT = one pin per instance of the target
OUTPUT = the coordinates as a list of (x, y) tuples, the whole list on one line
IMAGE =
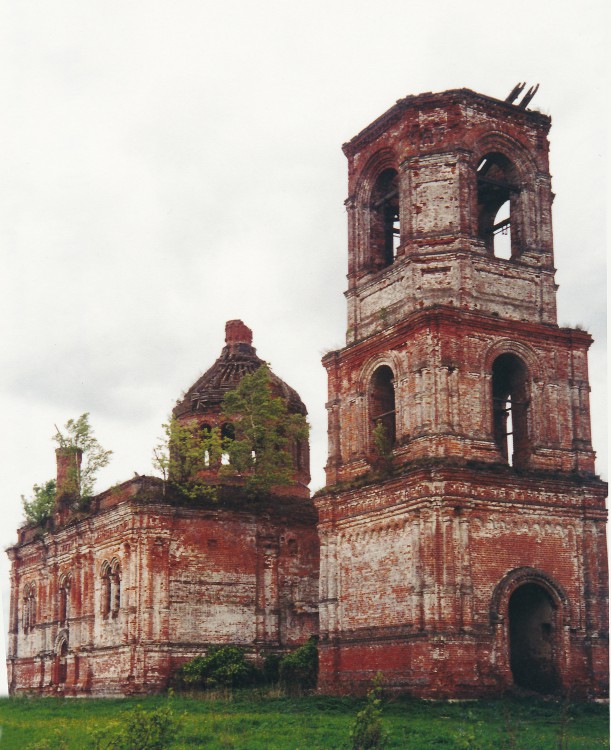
[(249, 721)]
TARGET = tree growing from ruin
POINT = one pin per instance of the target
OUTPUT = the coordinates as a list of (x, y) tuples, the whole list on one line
[(78, 438), (184, 453), (265, 433), (259, 453), (39, 508), (79, 441)]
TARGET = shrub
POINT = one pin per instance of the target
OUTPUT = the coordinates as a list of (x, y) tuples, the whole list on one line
[(139, 730), (299, 669), (148, 730), (271, 668), (367, 732), (225, 666)]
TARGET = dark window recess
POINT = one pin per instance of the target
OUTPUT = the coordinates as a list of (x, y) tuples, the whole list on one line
[(29, 608), (63, 603), (385, 226), (227, 434), (116, 591), (382, 402), (62, 663), (292, 545), (106, 592), (111, 589)]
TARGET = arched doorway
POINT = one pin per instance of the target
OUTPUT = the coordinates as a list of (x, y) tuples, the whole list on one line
[(533, 638)]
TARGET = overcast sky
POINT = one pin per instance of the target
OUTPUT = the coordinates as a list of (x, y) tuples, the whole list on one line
[(167, 166)]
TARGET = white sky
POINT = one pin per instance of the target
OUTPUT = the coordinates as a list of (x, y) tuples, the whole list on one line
[(167, 166)]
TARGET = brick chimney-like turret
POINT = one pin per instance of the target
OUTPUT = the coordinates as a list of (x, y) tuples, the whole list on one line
[(237, 333), (68, 471)]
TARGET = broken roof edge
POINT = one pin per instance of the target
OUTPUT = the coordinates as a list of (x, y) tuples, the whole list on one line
[(392, 114)]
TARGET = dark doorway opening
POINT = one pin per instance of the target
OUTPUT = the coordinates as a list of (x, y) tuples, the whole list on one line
[(532, 636)]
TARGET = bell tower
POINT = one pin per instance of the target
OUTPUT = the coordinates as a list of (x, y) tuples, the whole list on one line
[(462, 526)]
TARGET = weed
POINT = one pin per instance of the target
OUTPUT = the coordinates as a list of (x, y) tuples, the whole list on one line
[(367, 732)]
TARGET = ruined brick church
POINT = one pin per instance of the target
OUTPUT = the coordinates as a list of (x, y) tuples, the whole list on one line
[(459, 544)]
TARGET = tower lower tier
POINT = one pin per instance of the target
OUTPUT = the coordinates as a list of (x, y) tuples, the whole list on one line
[(453, 582)]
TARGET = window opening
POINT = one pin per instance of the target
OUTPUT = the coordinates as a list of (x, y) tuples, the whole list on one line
[(206, 431), (227, 435), (29, 608), (385, 224), (501, 232), (382, 402), (64, 600), (62, 663), (496, 198), (510, 409), (115, 590), (106, 590)]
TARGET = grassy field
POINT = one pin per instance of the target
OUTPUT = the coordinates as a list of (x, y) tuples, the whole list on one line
[(251, 722)]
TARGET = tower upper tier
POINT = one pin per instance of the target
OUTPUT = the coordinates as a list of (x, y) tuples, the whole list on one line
[(450, 204)]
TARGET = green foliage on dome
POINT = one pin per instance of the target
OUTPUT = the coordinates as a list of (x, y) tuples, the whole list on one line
[(255, 447)]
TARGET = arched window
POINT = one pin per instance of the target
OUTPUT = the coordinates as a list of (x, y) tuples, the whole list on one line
[(29, 607), (497, 202), (115, 588), (227, 435), (62, 661), (510, 395), (64, 598), (382, 405), (110, 573), (385, 228), (106, 589)]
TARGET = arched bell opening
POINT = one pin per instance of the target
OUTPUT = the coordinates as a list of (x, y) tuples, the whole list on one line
[(385, 232), (382, 412), (510, 396), (498, 206), (533, 639)]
